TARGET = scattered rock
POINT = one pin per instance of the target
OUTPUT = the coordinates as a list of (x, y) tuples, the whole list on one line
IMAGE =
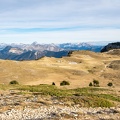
[(30, 107)]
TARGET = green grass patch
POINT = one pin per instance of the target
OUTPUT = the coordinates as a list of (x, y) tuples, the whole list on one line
[(86, 97), (8, 87), (110, 97), (87, 90), (46, 90)]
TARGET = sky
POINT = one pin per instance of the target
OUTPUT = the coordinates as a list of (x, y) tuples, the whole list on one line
[(59, 21)]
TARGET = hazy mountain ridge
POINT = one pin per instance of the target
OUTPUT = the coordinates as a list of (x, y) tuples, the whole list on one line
[(81, 46), (35, 51), (56, 47), (14, 53), (30, 51)]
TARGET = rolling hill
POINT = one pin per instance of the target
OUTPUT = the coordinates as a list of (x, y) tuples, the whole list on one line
[(79, 69)]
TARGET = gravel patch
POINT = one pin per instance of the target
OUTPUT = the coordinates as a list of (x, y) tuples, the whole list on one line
[(61, 113)]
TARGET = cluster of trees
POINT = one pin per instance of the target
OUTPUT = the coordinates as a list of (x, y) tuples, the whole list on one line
[(95, 83), (62, 83)]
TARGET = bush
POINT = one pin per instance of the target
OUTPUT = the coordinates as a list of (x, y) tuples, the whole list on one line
[(64, 83), (69, 53), (96, 83), (53, 83), (13, 82), (110, 84), (90, 84)]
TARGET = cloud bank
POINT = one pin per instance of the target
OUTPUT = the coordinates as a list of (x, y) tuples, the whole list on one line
[(55, 21)]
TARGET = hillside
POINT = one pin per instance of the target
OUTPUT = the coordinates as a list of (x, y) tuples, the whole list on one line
[(79, 69), (36, 98), (111, 46)]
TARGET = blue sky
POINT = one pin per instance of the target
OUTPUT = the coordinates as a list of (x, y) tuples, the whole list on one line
[(58, 21)]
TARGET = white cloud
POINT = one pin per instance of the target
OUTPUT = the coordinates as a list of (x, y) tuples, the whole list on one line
[(79, 15), (66, 36)]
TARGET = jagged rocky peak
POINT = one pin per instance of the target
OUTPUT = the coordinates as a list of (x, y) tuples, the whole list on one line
[(34, 43), (111, 46)]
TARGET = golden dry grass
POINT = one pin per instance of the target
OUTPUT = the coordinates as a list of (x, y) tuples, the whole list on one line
[(80, 69)]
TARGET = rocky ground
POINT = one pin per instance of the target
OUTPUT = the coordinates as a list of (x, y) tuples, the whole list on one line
[(56, 112), (36, 107)]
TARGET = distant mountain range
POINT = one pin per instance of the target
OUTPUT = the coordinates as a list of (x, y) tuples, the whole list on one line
[(33, 46), (81, 46), (15, 53), (35, 51), (56, 47)]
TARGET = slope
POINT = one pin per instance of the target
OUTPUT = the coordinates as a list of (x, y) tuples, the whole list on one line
[(79, 69)]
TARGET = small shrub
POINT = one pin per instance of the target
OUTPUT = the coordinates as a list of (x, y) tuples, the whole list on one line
[(96, 83), (53, 83), (69, 53), (90, 84), (13, 82), (110, 84), (64, 83)]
